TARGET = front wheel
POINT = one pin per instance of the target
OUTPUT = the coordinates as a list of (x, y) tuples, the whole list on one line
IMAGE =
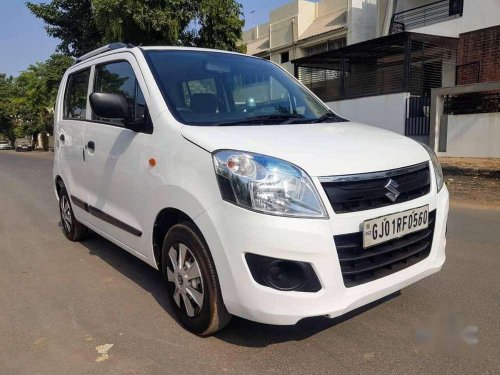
[(192, 282)]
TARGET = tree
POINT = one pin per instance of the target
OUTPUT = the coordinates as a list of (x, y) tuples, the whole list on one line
[(6, 95), (139, 22), (27, 102), (71, 21), (203, 23), (220, 25), (40, 83)]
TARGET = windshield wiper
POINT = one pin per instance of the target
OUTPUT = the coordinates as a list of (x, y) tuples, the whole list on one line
[(261, 120), (330, 117)]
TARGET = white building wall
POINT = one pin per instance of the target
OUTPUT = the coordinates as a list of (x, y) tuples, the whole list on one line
[(384, 15), (362, 19), (306, 16), (475, 135), (477, 14), (384, 111)]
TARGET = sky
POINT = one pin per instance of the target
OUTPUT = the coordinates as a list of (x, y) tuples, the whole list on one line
[(23, 40)]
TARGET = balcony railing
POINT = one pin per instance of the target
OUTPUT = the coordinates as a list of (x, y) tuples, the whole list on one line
[(428, 14)]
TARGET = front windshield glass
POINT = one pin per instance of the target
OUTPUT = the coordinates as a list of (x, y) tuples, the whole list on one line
[(213, 88)]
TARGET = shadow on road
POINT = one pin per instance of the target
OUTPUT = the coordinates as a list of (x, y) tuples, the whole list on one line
[(250, 334), (240, 332), (139, 272)]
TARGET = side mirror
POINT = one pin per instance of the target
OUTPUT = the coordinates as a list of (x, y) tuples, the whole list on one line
[(112, 106)]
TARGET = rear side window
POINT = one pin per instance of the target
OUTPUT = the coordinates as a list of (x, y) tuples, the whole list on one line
[(119, 78), (75, 98)]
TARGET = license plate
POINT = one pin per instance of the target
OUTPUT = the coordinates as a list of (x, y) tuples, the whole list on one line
[(386, 228)]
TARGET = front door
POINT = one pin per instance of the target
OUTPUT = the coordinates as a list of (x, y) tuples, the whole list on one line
[(115, 158)]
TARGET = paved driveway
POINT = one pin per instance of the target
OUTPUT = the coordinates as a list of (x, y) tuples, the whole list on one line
[(59, 301)]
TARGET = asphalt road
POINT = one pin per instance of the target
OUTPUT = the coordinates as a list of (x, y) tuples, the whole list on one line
[(60, 300)]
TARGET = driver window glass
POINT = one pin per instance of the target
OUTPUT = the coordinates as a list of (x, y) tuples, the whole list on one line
[(119, 78)]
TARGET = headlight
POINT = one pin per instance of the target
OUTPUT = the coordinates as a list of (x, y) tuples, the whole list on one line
[(266, 184), (437, 167)]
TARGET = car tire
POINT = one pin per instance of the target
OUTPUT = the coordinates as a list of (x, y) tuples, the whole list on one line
[(72, 229), (195, 283)]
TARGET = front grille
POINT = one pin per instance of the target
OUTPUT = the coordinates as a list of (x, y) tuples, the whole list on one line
[(367, 191), (360, 265)]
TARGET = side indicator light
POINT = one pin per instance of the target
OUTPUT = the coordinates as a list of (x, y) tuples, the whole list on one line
[(152, 162)]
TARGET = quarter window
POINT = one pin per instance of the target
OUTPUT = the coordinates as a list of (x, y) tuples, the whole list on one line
[(119, 78), (75, 98)]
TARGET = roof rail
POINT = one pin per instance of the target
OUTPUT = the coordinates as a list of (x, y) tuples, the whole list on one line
[(98, 51)]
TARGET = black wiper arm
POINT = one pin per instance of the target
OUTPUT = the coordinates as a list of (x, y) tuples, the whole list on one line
[(262, 119), (330, 116)]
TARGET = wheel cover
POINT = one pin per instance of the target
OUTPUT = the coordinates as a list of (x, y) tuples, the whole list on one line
[(183, 271), (66, 213)]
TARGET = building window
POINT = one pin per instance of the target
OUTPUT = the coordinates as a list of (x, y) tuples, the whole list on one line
[(326, 46), (285, 57), (318, 48)]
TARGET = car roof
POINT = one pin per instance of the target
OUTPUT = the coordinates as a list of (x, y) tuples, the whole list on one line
[(135, 49)]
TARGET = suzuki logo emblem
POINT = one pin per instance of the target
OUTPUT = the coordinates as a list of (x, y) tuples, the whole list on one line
[(393, 193)]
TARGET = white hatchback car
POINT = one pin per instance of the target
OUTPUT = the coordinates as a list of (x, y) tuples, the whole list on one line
[(4, 145), (241, 186)]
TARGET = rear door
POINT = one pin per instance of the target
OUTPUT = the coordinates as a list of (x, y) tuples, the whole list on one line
[(114, 155), (70, 134)]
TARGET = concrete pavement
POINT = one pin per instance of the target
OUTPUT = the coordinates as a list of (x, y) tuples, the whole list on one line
[(59, 301)]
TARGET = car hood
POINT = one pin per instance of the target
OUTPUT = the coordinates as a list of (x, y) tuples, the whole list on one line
[(320, 149)]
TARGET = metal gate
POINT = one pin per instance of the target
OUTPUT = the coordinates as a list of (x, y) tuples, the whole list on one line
[(418, 117)]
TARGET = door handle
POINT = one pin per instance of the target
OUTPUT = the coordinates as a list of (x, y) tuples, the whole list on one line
[(62, 138), (91, 145)]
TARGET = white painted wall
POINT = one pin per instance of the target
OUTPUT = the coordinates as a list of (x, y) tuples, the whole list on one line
[(476, 135), (477, 14), (362, 18), (383, 111)]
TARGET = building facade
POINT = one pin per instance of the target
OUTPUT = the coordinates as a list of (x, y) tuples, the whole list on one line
[(303, 28), (378, 61), (479, 56)]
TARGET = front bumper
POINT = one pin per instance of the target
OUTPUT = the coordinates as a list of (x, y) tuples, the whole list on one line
[(231, 232)]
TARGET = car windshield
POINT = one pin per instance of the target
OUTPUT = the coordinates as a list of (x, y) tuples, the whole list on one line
[(213, 88)]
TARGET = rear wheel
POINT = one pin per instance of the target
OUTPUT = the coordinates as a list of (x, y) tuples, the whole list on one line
[(192, 282), (72, 229)]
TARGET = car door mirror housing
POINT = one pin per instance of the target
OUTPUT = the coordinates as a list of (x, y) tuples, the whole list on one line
[(110, 106)]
